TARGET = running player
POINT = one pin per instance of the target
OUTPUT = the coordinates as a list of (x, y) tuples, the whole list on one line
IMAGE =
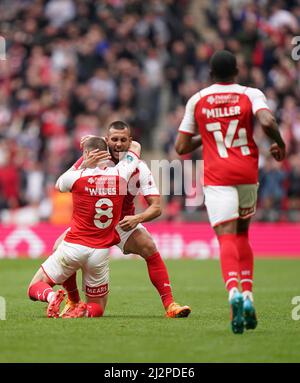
[(223, 115), (134, 236), (98, 193)]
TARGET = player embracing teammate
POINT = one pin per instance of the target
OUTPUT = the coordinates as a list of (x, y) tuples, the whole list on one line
[(133, 237), (223, 115), (98, 193)]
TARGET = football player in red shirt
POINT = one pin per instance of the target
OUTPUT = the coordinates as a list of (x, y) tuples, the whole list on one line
[(98, 193), (222, 116), (135, 238)]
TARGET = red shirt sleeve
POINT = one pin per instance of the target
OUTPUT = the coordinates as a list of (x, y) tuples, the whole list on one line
[(78, 163)]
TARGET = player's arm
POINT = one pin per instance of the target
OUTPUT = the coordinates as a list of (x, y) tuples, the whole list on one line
[(66, 180), (149, 190), (265, 117), (153, 211), (186, 143), (129, 161), (135, 148), (270, 128), (187, 140)]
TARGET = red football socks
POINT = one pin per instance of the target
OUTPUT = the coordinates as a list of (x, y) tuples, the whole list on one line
[(39, 291), (71, 287), (245, 261), (94, 310), (159, 277), (229, 260)]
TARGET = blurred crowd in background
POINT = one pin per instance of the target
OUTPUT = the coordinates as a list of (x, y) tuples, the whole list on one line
[(73, 66)]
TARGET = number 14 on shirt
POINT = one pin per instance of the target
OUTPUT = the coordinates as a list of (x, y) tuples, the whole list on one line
[(228, 142)]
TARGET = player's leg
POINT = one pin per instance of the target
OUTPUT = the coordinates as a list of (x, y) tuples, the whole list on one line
[(70, 285), (59, 267), (95, 278), (139, 241), (247, 205), (95, 306), (229, 257), (222, 207), (41, 289), (246, 259)]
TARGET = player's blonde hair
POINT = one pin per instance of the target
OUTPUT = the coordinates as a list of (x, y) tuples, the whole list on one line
[(93, 143)]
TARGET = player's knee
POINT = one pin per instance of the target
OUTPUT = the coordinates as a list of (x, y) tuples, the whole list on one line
[(29, 291), (226, 228), (147, 249), (243, 226)]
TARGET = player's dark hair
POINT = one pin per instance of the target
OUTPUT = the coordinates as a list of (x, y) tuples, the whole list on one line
[(223, 66), (119, 125), (93, 143)]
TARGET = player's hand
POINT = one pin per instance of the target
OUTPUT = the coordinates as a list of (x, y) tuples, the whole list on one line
[(129, 222), (94, 157), (277, 152), (84, 138), (135, 147)]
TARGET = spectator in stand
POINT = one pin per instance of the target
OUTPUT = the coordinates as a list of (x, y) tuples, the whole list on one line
[(293, 191), (272, 189), (74, 66)]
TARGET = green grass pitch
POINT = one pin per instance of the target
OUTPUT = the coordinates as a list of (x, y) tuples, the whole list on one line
[(134, 328)]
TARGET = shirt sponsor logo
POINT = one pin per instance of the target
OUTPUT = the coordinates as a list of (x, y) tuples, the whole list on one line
[(223, 99), (97, 291), (101, 186)]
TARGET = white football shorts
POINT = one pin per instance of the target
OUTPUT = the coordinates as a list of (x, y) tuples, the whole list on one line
[(124, 235), (226, 203), (69, 257)]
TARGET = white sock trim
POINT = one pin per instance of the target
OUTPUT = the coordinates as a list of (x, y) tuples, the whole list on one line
[(232, 292), (230, 280), (248, 294)]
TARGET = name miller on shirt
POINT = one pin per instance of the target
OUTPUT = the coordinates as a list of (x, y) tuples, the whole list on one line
[(101, 191), (222, 112)]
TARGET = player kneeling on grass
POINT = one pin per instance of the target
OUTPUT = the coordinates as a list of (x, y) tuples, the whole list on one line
[(223, 114), (98, 193), (134, 237)]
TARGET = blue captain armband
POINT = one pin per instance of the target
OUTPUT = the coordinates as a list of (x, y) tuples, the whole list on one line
[(129, 158)]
